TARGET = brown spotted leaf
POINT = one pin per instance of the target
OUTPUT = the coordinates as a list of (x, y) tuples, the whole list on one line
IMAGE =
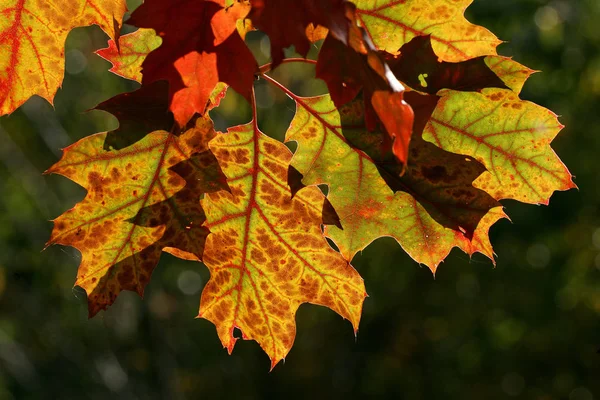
[(141, 200), (267, 253), (32, 40)]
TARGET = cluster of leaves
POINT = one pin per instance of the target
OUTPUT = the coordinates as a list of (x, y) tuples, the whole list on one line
[(421, 134)]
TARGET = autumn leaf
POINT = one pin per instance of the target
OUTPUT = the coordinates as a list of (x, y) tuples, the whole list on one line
[(421, 134), (139, 113), (266, 253), (141, 200), (32, 39), (347, 72), (201, 47), (147, 108), (144, 110), (133, 49), (511, 137), (295, 23), (397, 117), (419, 67), (368, 207), (511, 72), (392, 23)]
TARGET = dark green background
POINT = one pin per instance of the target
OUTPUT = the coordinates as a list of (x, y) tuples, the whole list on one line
[(529, 329)]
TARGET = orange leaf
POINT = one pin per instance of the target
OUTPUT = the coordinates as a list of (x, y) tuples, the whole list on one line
[(397, 117)]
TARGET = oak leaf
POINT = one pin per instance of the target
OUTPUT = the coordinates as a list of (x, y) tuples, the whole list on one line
[(434, 208), (346, 72), (201, 47), (128, 56), (147, 108), (511, 137), (419, 67), (392, 23), (141, 200), (32, 39), (266, 253)]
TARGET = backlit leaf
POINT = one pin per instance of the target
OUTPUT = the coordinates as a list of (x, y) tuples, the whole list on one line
[(133, 48), (419, 67), (32, 39), (346, 72), (141, 200), (511, 72), (368, 208), (392, 23), (294, 23), (267, 253), (201, 47), (511, 137), (144, 110), (421, 134)]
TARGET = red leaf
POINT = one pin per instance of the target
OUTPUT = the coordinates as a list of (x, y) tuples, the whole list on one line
[(397, 116), (201, 47), (346, 72), (286, 22), (139, 113), (418, 66)]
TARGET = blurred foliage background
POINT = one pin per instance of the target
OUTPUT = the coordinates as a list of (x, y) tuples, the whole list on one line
[(528, 329)]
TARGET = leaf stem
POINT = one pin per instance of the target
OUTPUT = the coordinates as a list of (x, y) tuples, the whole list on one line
[(254, 112), (267, 67)]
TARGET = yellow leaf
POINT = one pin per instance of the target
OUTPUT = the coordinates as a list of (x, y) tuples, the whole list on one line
[(267, 253), (32, 39)]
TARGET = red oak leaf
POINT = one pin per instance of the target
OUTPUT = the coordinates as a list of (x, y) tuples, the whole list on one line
[(286, 22), (418, 66), (347, 71), (201, 47)]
